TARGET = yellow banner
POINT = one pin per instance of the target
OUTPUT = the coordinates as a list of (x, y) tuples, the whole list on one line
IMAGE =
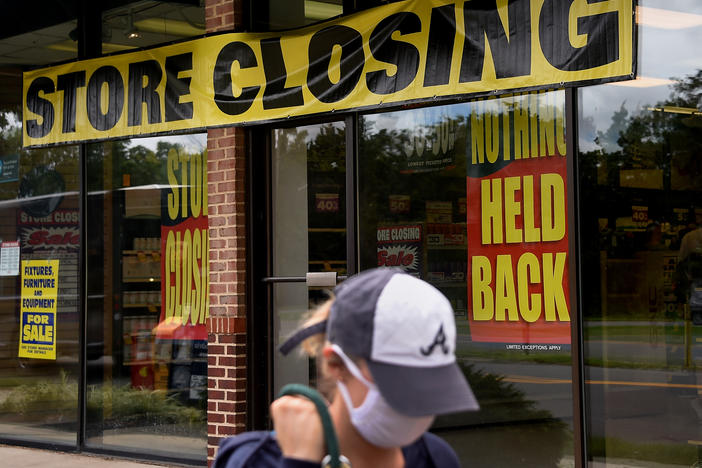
[(416, 50), (38, 309)]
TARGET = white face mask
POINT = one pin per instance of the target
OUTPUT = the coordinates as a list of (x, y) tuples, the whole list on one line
[(375, 420)]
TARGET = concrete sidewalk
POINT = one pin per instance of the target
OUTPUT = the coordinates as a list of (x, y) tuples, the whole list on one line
[(15, 457)]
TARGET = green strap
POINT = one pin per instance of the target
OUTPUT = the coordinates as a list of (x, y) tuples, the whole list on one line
[(327, 426)]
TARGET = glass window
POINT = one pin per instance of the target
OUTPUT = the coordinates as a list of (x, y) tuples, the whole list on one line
[(641, 213), (275, 15), (39, 251), (39, 285), (147, 280), (145, 23), (471, 198)]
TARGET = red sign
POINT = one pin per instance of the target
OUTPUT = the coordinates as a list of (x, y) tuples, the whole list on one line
[(326, 202), (517, 222), (184, 247)]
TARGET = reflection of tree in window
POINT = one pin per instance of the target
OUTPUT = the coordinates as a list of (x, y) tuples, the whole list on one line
[(44, 188), (664, 136), (383, 159)]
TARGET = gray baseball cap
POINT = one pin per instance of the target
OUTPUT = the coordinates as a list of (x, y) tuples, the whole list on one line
[(404, 328)]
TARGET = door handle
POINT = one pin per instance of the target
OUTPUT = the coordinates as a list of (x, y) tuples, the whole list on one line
[(324, 279)]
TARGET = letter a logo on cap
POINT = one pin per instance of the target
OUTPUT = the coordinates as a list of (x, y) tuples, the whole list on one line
[(439, 339)]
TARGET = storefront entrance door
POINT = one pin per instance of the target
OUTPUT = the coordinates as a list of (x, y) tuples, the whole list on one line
[(308, 227)]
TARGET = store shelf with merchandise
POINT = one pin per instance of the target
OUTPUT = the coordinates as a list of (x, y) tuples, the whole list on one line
[(447, 262)]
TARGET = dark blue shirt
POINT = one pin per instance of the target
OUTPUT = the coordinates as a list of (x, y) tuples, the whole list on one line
[(260, 450)]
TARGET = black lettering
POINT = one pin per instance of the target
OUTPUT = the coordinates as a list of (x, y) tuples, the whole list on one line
[(276, 95), (40, 106), (115, 103), (144, 93), (403, 55), (69, 84), (177, 87), (602, 32), (511, 51), (351, 67), (222, 79), (442, 35)]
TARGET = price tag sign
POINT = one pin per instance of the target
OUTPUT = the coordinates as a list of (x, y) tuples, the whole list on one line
[(399, 203), (639, 215), (326, 202)]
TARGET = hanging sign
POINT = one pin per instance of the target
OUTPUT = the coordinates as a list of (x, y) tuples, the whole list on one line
[(38, 309), (406, 51), (517, 221), (185, 273)]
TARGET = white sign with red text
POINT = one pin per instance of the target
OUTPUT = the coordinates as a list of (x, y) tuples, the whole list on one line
[(401, 247)]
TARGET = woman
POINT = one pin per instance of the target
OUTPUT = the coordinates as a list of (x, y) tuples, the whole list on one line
[(386, 344)]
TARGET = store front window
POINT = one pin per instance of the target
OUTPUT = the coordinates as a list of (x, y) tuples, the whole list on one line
[(39, 287), (471, 197), (146, 266), (640, 178), (39, 252), (148, 296)]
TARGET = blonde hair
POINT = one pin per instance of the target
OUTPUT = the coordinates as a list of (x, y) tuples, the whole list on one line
[(313, 345)]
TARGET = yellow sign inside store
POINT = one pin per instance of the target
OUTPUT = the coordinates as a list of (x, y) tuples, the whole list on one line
[(38, 309), (416, 50)]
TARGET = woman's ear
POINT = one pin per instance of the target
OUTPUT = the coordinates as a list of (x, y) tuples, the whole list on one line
[(334, 365)]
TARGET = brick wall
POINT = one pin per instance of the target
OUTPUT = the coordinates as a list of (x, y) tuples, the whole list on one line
[(226, 325)]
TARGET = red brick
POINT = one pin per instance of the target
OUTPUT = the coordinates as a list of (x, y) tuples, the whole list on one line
[(227, 7), (226, 339), (215, 394), (225, 187), (227, 384), (216, 266), (235, 396), (214, 155), (226, 164), (216, 418), (227, 361), (212, 24), (217, 243), (226, 406), (214, 133), (216, 372), (213, 199), (218, 288), (226, 142), (214, 177), (225, 209), (227, 430)]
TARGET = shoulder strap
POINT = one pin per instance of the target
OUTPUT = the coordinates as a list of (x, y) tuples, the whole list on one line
[(440, 452)]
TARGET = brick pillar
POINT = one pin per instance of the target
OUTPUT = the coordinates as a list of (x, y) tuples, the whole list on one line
[(226, 325)]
